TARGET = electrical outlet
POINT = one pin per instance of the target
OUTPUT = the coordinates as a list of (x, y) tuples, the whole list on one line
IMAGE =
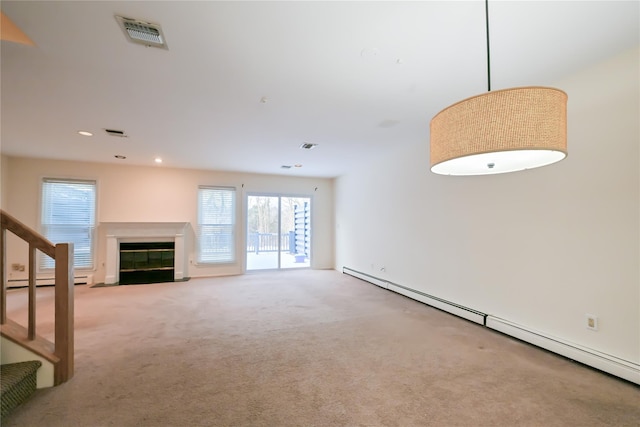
[(591, 322), (15, 267)]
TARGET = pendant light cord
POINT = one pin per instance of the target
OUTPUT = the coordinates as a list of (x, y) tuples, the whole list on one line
[(486, 14)]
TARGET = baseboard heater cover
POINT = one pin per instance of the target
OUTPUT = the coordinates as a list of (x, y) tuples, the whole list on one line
[(610, 364), (604, 362), (366, 277), (49, 281), (439, 303)]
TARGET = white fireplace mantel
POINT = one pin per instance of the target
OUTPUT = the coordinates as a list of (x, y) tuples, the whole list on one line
[(131, 232)]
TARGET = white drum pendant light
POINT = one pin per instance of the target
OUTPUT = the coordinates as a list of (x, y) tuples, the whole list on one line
[(502, 131)]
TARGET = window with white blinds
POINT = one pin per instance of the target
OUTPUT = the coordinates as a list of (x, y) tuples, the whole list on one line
[(69, 216), (216, 225)]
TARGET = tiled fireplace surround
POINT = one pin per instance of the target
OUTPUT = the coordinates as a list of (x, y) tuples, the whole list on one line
[(132, 232)]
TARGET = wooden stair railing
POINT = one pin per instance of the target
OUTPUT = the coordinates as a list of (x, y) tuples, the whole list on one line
[(61, 352)]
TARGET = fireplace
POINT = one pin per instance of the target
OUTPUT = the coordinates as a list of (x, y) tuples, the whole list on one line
[(155, 246), (146, 262)]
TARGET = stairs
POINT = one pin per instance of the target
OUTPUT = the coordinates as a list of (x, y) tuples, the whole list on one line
[(17, 384), (58, 354)]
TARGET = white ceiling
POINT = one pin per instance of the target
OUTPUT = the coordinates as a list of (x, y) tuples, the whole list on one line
[(356, 78)]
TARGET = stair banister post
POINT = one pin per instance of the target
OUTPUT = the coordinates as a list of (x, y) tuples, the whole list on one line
[(3, 261), (32, 292), (64, 312)]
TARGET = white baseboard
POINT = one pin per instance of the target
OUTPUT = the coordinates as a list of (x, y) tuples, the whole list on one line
[(86, 279), (444, 305), (620, 368), (366, 277), (604, 362), (449, 307)]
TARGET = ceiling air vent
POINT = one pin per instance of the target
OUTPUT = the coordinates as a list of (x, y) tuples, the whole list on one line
[(114, 132), (308, 146), (142, 32)]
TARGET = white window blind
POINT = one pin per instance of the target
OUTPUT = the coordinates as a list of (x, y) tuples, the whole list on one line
[(216, 224), (68, 216)]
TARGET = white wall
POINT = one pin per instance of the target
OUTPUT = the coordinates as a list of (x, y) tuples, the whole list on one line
[(539, 248), (159, 194)]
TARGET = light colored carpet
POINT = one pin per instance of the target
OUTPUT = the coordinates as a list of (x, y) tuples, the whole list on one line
[(305, 348)]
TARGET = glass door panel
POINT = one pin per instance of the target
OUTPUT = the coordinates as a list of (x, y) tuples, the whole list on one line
[(295, 226), (278, 232), (263, 220)]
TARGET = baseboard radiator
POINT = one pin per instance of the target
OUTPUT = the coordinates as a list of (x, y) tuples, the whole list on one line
[(86, 279), (601, 361), (444, 305), (604, 362)]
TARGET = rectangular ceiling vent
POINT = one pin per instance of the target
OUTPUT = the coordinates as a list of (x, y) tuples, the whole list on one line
[(308, 146), (141, 32)]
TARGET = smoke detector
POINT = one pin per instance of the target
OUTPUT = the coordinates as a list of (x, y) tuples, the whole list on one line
[(141, 32)]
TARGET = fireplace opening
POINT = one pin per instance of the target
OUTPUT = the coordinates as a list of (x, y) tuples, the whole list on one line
[(146, 262)]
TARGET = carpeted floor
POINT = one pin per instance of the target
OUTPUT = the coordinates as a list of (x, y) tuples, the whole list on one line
[(304, 348)]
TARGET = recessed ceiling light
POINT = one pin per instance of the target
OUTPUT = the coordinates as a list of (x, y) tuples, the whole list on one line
[(297, 166), (85, 133), (158, 160), (120, 157)]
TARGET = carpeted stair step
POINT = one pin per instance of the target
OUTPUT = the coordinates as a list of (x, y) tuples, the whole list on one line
[(17, 384)]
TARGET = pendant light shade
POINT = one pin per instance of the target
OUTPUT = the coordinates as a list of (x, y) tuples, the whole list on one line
[(501, 131), (10, 31)]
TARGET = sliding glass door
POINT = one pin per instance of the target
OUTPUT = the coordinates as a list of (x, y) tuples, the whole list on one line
[(278, 232)]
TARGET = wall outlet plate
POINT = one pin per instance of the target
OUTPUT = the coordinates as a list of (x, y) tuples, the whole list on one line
[(591, 322)]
